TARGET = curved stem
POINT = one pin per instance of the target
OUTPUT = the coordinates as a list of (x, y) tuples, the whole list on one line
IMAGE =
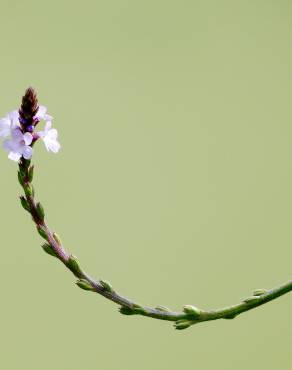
[(190, 314)]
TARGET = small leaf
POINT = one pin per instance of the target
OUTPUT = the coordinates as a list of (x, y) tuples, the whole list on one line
[(84, 284), (49, 249)]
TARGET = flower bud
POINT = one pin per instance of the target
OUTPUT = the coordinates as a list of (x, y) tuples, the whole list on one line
[(84, 284), (106, 286), (73, 265), (49, 249), (182, 324), (124, 310), (22, 170), (250, 299), (57, 238), (42, 232), (259, 292), (24, 203), (162, 309), (138, 309), (21, 176), (40, 211), (192, 310), (230, 316), (30, 173), (28, 189)]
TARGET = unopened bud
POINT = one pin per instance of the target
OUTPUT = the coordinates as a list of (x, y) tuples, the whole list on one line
[(30, 173), (40, 211), (138, 309), (250, 299), (24, 203), (28, 189), (259, 292), (182, 324), (230, 317), (84, 284), (162, 308), (73, 265), (106, 286), (49, 249), (192, 310), (21, 177), (42, 232), (124, 310), (57, 238)]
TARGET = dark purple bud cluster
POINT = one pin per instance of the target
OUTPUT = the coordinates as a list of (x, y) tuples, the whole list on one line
[(28, 110)]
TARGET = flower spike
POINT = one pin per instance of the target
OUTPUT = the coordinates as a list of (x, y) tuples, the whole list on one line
[(17, 128), (28, 110)]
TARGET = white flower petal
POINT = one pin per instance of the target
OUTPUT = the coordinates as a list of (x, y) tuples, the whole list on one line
[(48, 126), (14, 118), (51, 144), (41, 112), (5, 125), (47, 143), (44, 132), (11, 145), (27, 151), (47, 117), (8, 123), (7, 145), (55, 146), (19, 143), (27, 137), (53, 134), (16, 134), (14, 156)]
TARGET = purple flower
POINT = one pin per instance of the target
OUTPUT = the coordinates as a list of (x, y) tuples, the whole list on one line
[(18, 145), (19, 136), (50, 138), (8, 123)]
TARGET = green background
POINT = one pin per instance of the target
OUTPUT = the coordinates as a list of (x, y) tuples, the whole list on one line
[(174, 181)]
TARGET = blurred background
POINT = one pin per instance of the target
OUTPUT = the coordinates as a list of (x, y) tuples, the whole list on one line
[(173, 183)]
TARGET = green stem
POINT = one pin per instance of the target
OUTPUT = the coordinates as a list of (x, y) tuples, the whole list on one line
[(189, 316)]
